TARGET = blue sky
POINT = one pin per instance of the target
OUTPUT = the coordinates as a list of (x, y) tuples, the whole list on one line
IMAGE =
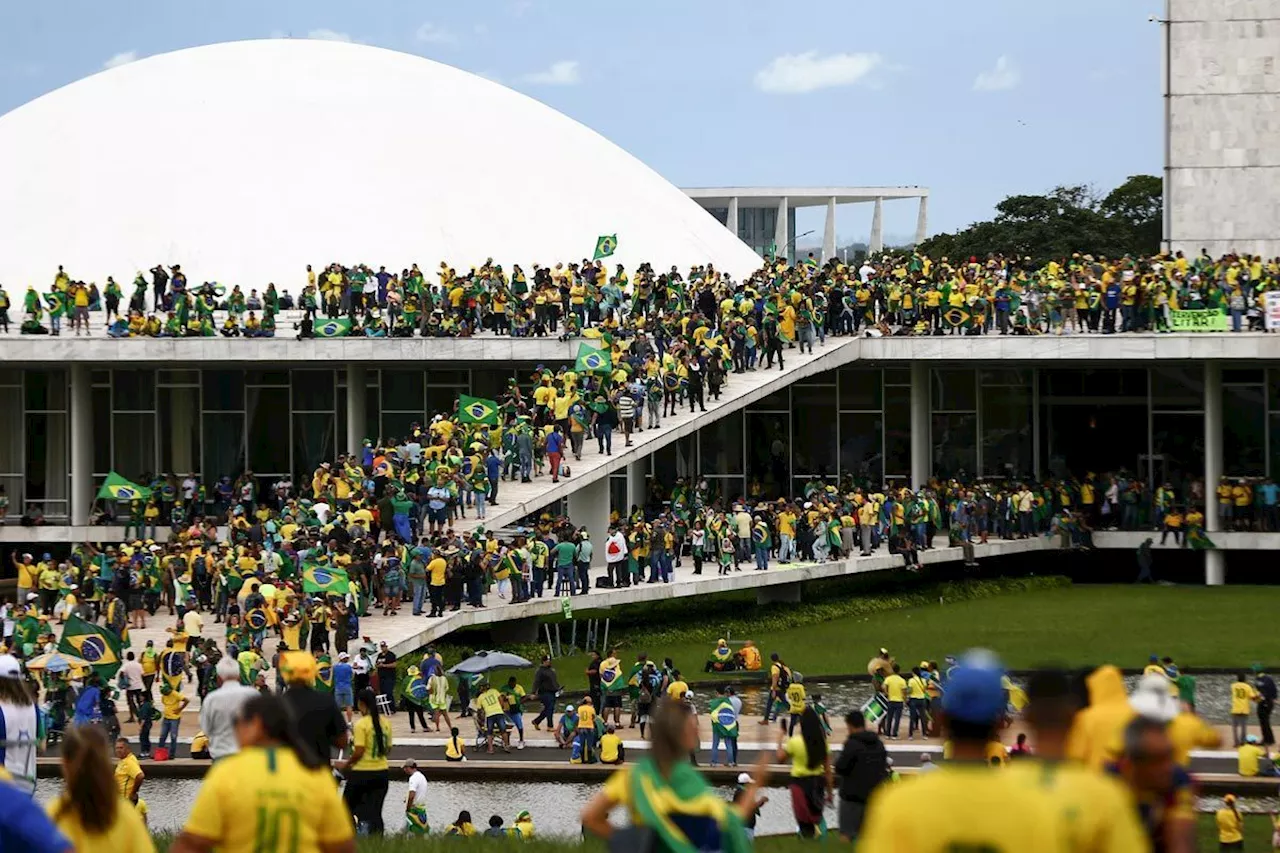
[(976, 100)]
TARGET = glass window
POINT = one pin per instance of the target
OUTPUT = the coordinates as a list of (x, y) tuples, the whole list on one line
[(101, 430), (954, 390), (1177, 387), (617, 492), (402, 390), (440, 399), (223, 390), (179, 430), (372, 413), (1005, 377), (813, 432), (1243, 375), (768, 459), (1243, 430), (450, 377), (897, 376), (490, 384), (134, 454), (1006, 430), (720, 445), (313, 390), (1178, 443), (826, 377), (313, 443), (267, 415), (223, 446), (1274, 461), (778, 401), (273, 378), (135, 390), (861, 442), (179, 377), (397, 424), (897, 431), (47, 461), (46, 390), (955, 441), (674, 461), (860, 389)]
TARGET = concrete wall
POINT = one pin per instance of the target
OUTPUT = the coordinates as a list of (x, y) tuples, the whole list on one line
[(1223, 184)]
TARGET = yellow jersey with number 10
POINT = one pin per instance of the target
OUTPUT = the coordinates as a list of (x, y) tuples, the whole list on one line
[(262, 800)]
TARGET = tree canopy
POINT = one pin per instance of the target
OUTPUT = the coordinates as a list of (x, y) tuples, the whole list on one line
[(1126, 221)]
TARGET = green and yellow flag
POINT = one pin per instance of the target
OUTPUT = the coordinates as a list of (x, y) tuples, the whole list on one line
[(324, 579), (591, 360), (99, 646), (605, 246), (339, 328), (117, 488), (477, 410)]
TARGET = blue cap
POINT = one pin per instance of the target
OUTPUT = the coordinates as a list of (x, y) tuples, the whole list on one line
[(975, 693)]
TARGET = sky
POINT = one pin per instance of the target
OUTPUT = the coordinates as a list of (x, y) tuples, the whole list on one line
[(975, 100)]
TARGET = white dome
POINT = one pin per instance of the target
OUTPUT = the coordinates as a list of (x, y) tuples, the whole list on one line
[(248, 160)]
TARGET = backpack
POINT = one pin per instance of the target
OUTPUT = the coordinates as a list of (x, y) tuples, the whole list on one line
[(784, 677), (199, 568)]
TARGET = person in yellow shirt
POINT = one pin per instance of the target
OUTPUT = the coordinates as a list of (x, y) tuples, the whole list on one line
[(128, 774), (969, 807), (1099, 814), (89, 813), (1252, 759), (1230, 825), (895, 693), (795, 696), (917, 699), (611, 749), (273, 788), (366, 770), (787, 535), (678, 686), (1188, 731), (1243, 695), (489, 703)]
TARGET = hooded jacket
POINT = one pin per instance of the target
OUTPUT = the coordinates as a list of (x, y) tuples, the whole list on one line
[(861, 766), (1097, 735)]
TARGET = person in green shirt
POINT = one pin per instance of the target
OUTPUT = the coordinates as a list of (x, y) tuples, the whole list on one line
[(562, 557)]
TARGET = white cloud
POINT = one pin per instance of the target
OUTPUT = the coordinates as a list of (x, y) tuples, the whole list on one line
[(1004, 75), (122, 58), (562, 73), (329, 35), (520, 7), (792, 74), (432, 34)]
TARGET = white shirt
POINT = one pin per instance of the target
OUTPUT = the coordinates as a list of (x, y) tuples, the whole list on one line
[(188, 489), (360, 665), (132, 672), (322, 511), (615, 548), (218, 717), (418, 787)]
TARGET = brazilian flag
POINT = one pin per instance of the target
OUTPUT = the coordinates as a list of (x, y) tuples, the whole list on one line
[(99, 646), (117, 488), (593, 360), (415, 690), (172, 665), (324, 674), (338, 328), (57, 302), (611, 676), (256, 619), (206, 303), (1198, 540), (605, 246), (323, 579), (477, 410), (956, 317)]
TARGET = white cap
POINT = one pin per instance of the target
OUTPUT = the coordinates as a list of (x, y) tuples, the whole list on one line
[(31, 596), (744, 778), (9, 667)]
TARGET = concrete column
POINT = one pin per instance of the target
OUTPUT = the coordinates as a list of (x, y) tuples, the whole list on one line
[(731, 222), (357, 388), (182, 422), (637, 486), (589, 508), (920, 443), (877, 228), (81, 399), (1215, 570), (829, 232), (922, 220), (780, 236)]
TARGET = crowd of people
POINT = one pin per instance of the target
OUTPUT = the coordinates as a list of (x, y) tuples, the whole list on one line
[(896, 293)]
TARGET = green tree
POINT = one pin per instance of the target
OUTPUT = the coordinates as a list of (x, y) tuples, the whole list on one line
[(1066, 220)]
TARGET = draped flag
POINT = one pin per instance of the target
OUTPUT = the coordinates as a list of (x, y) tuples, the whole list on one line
[(605, 246), (99, 646), (593, 360), (323, 579), (476, 410), (339, 328)]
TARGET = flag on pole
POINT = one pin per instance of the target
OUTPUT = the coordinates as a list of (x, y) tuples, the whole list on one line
[(323, 579), (99, 646), (591, 360), (117, 488), (477, 410), (605, 246), (338, 328)]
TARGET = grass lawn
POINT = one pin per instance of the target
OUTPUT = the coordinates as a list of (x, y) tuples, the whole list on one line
[(1075, 626)]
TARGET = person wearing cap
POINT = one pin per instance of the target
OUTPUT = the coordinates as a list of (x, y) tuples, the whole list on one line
[(1017, 816), (523, 826), (1230, 825), (743, 797)]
